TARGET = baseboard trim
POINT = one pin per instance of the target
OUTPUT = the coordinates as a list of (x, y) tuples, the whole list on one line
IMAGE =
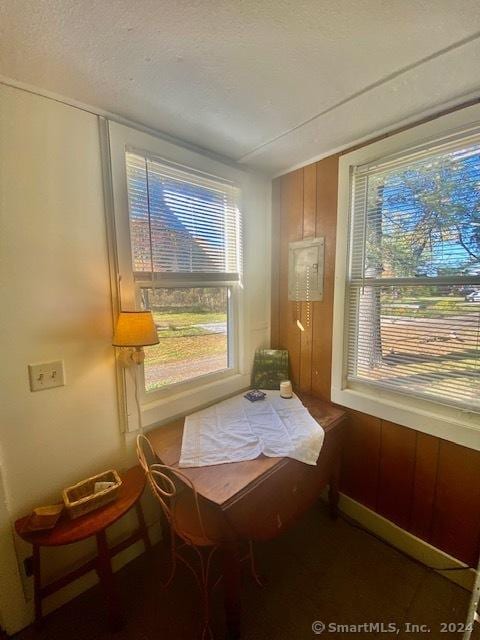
[(407, 542)]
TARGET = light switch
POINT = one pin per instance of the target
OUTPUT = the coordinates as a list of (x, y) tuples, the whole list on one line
[(46, 375)]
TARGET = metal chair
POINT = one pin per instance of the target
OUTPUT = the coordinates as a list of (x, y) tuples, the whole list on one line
[(196, 523)]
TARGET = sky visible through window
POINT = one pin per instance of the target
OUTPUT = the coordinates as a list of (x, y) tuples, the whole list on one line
[(424, 220)]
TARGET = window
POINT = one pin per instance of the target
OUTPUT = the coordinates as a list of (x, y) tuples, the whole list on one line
[(185, 234), (192, 325), (406, 317), (413, 282), (175, 225)]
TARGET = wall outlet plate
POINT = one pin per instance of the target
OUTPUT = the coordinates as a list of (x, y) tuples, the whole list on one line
[(46, 375)]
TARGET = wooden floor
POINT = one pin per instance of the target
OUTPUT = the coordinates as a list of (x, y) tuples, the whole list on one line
[(319, 571)]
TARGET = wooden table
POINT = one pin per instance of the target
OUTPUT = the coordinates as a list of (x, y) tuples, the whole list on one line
[(260, 498), (94, 523)]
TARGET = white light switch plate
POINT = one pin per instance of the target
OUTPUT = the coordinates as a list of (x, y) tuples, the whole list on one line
[(46, 375)]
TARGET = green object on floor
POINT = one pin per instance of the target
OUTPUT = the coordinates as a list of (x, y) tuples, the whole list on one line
[(270, 367)]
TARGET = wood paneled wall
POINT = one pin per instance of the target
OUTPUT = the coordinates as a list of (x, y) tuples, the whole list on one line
[(426, 485)]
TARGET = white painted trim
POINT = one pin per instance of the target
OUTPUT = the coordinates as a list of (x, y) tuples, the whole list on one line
[(196, 397), (442, 421), (435, 112), (407, 542), (393, 75), (13, 611), (112, 258), (159, 407), (238, 163), (456, 425), (113, 117)]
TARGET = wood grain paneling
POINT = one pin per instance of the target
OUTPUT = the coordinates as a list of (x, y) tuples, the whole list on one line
[(456, 513), (426, 485), (361, 458), (396, 475), (425, 479), (306, 308), (309, 200), (275, 266), (306, 337), (291, 228)]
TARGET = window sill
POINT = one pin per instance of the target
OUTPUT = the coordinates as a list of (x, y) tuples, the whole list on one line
[(178, 404), (456, 425)]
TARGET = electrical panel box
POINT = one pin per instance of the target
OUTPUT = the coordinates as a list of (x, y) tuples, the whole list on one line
[(305, 270)]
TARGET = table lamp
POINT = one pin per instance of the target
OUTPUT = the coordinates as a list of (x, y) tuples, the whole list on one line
[(134, 330)]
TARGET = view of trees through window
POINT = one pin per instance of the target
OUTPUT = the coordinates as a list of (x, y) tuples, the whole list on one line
[(415, 277), (192, 326)]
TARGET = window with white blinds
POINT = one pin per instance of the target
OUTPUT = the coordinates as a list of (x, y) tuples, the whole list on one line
[(413, 285), (186, 248), (182, 222)]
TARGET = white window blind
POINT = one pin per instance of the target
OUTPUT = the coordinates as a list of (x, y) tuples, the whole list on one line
[(413, 290), (182, 223)]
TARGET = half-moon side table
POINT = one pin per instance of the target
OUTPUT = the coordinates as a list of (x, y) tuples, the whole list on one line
[(94, 523)]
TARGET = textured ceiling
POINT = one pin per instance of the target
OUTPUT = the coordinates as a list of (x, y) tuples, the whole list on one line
[(267, 83)]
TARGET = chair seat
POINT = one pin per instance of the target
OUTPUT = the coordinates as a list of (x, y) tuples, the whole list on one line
[(187, 524)]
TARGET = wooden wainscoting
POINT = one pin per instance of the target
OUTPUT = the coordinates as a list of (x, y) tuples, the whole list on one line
[(426, 485)]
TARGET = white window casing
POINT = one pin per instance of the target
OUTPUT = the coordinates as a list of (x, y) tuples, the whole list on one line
[(407, 384), (248, 287), (186, 239)]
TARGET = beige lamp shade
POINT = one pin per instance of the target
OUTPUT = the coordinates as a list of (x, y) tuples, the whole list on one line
[(135, 329)]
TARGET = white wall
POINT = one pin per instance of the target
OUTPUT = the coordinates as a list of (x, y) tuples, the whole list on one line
[(56, 304)]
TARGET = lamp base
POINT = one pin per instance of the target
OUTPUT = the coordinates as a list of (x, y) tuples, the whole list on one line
[(129, 357)]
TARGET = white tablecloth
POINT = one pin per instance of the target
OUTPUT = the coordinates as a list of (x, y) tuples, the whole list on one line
[(237, 429)]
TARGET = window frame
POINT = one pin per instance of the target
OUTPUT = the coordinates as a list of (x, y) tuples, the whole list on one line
[(458, 425), (252, 299), (166, 280)]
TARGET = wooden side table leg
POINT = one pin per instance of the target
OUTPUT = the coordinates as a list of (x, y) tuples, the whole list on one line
[(37, 586), (231, 578), (107, 581), (143, 526)]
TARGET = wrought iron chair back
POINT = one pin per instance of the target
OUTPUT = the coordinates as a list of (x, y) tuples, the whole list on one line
[(163, 480), (166, 484)]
